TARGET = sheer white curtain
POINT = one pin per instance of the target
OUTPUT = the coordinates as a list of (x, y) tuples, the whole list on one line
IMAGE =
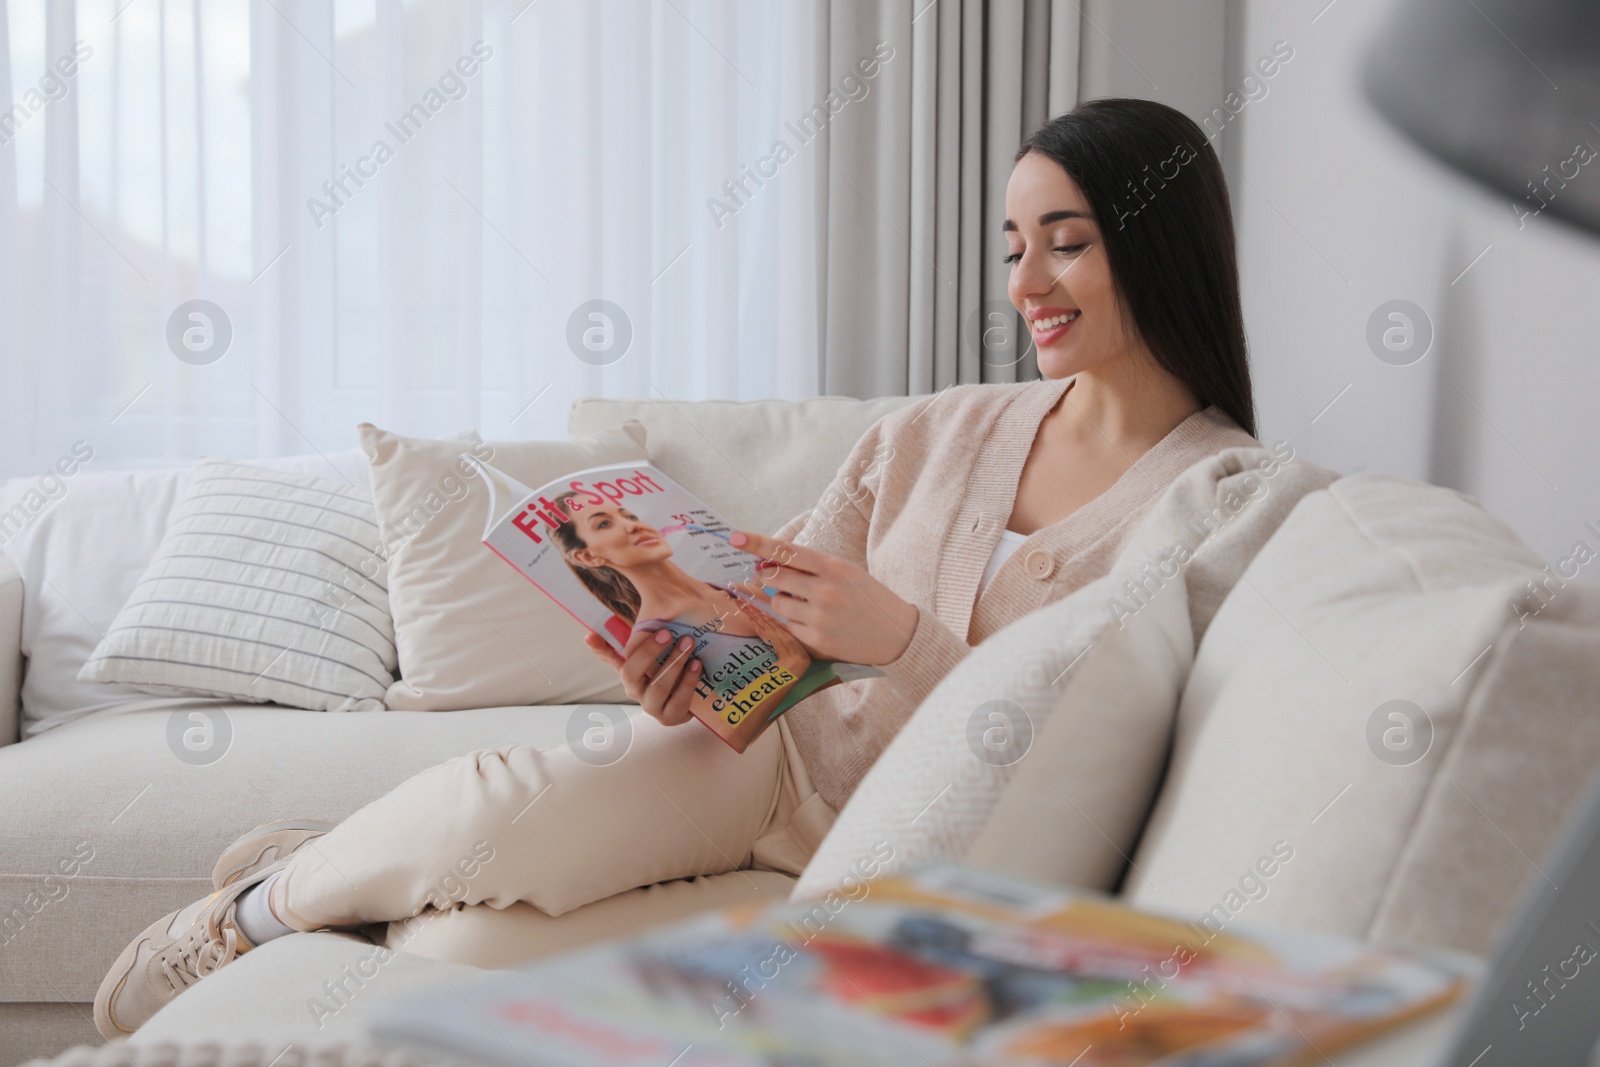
[(398, 208)]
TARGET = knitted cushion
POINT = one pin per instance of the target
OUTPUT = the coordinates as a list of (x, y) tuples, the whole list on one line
[(1071, 706)]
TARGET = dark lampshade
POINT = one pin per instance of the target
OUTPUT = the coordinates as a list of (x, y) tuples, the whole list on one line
[(1506, 91)]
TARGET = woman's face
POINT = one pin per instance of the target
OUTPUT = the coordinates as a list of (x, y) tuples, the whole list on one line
[(614, 536), (1060, 278)]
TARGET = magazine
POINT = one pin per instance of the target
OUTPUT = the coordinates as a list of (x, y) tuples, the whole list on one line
[(623, 548), (945, 966)]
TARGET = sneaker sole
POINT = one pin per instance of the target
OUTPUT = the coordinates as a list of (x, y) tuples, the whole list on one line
[(247, 852)]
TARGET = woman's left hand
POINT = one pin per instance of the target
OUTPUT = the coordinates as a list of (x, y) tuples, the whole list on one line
[(839, 611)]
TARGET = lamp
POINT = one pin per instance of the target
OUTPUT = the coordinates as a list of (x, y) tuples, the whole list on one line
[(1505, 91)]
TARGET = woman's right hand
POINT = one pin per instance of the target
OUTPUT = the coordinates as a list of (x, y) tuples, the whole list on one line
[(662, 690), (792, 655)]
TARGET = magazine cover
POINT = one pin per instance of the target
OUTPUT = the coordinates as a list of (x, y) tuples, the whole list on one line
[(624, 548), (945, 966)]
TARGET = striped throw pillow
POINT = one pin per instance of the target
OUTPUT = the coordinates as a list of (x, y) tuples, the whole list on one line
[(267, 587)]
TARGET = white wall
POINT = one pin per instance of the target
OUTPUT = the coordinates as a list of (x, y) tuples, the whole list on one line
[(1336, 215), (1154, 50)]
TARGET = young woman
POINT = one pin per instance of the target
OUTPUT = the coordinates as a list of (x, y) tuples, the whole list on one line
[(951, 518)]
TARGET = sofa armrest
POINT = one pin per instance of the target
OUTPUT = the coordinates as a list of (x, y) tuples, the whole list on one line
[(10, 651)]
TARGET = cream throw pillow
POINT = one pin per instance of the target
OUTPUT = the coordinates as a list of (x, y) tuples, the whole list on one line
[(757, 463), (1039, 754), (1401, 696), (470, 631)]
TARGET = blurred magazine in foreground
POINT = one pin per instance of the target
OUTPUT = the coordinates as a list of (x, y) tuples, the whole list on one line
[(946, 966), (625, 548)]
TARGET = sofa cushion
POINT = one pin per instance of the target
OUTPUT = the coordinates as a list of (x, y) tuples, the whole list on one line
[(81, 554), (112, 823), (1383, 730), (485, 936), (1067, 698), (314, 989), (268, 586), (758, 463), (471, 632), (320, 987)]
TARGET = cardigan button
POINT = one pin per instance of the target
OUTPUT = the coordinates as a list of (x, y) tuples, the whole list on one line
[(1039, 564)]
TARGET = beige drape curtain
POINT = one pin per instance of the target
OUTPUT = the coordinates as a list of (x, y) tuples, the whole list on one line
[(916, 187)]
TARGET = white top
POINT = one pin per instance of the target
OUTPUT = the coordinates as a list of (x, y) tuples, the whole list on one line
[(1009, 543)]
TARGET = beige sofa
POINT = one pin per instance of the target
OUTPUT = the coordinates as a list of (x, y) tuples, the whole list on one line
[(1372, 591)]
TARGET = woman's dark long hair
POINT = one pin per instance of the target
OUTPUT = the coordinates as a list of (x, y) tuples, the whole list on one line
[(1158, 193), (607, 584)]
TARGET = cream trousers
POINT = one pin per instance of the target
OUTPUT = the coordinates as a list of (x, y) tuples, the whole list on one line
[(547, 828)]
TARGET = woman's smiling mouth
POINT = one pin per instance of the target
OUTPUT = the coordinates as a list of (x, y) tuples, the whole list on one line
[(1050, 324)]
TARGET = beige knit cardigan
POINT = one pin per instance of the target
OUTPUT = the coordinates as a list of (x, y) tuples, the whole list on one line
[(919, 504)]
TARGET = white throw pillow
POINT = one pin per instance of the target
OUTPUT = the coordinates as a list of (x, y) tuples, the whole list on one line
[(471, 631), (1039, 754), (267, 587), (81, 546)]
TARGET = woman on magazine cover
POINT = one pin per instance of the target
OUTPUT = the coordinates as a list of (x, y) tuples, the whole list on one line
[(995, 500), (626, 564)]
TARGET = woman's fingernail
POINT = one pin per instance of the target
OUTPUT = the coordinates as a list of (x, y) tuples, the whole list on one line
[(663, 636), (694, 665), (737, 539), (686, 643)]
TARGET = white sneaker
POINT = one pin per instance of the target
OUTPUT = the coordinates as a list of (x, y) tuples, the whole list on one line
[(171, 955)]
